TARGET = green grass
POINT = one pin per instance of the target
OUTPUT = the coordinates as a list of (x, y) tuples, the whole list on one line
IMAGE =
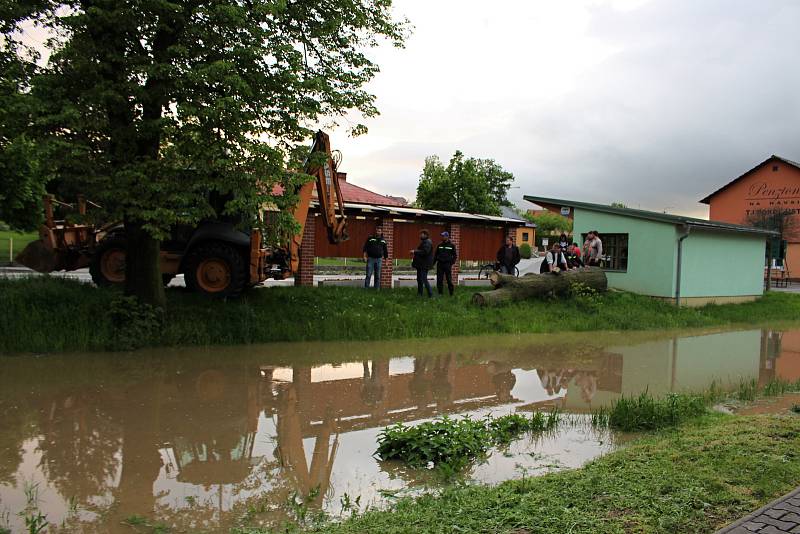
[(645, 412), (43, 314), (695, 478), (21, 240)]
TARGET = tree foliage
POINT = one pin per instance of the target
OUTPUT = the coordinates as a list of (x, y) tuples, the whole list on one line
[(783, 221), (21, 183), (548, 222), (465, 184), (151, 106)]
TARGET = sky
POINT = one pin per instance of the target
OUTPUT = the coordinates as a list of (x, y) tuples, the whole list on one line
[(653, 103)]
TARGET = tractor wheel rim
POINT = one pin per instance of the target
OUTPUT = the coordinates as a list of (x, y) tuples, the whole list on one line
[(112, 265), (213, 275)]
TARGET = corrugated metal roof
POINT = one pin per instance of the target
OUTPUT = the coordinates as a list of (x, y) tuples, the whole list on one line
[(460, 215), (707, 199), (428, 214), (651, 215), (508, 212)]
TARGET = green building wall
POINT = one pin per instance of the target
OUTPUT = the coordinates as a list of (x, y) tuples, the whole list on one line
[(722, 264), (715, 263)]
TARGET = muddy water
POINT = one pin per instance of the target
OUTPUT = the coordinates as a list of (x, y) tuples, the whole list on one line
[(205, 439)]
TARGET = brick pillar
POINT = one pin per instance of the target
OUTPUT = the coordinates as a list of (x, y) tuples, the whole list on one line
[(387, 268), (455, 237), (511, 231), (305, 272)]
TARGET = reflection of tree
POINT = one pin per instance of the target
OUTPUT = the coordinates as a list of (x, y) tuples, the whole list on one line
[(17, 426), (80, 445)]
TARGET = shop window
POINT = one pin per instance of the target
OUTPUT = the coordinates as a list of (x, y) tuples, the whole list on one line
[(615, 252)]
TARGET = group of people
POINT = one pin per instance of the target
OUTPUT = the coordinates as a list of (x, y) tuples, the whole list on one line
[(425, 256), (565, 255)]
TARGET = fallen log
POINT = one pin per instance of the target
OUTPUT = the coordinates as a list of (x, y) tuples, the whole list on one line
[(509, 288)]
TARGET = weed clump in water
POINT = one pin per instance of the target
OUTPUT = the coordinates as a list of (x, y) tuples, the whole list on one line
[(646, 412), (747, 391), (453, 443)]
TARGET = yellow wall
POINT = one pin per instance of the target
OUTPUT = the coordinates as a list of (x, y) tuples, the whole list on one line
[(531, 236)]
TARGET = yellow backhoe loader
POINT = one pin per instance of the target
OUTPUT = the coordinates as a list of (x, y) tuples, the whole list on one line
[(215, 256)]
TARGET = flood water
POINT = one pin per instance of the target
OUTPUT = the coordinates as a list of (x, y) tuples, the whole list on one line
[(206, 438)]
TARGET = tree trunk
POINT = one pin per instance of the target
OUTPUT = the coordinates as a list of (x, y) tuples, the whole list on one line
[(143, 266), (509, 288)]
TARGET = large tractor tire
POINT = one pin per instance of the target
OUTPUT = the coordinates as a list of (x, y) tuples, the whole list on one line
[(216, 269), (108, 262)]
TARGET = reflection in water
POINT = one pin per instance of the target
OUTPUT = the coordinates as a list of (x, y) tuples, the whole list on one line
[(194, 438)]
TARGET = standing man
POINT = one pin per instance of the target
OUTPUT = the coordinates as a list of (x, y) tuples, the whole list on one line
[(445, 257), (594, 249), (375, 251), (508, 256), (422, 262)]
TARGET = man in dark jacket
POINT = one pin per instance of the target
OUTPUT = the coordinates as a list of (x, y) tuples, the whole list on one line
[(445, 257), (423, 261), (375, 252), (508, 256)]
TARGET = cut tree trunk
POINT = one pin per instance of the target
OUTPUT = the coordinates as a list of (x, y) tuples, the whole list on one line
[(509, 288)]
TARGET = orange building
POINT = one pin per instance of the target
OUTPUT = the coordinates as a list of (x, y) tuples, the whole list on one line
[(772, 186)]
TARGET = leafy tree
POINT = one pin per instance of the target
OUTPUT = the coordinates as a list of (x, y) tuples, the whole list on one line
[(151, 107), (21, 185), (548, 222), (783, 221), (471, 185), (618, 205)]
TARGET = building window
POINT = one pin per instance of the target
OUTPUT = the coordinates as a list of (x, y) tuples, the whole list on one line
[(525, 236), (615, 252)]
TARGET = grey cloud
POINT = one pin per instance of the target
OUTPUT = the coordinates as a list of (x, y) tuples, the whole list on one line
[(700, 92)]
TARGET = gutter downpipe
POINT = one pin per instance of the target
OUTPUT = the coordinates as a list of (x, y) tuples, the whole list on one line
[(678, 269)]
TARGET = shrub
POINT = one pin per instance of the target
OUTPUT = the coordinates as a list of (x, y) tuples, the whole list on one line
[(588, 298), (525, 251), (453, 443)]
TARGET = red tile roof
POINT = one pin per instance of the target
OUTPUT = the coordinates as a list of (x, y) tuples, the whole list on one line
[(357, 195)]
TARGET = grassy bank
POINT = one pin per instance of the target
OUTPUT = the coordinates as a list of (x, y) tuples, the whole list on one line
[(693, 479), (50, 314)]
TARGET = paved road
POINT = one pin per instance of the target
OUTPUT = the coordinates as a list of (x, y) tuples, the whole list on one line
[(778, 517), (84, 276)]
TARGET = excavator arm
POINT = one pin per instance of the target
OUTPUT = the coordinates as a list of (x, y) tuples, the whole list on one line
[(329, 196)]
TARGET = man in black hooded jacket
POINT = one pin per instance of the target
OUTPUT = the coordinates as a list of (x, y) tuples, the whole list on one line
[(423, 261), (445, 257)]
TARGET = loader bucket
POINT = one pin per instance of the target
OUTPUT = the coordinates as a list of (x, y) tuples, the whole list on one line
[(38, 256)]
